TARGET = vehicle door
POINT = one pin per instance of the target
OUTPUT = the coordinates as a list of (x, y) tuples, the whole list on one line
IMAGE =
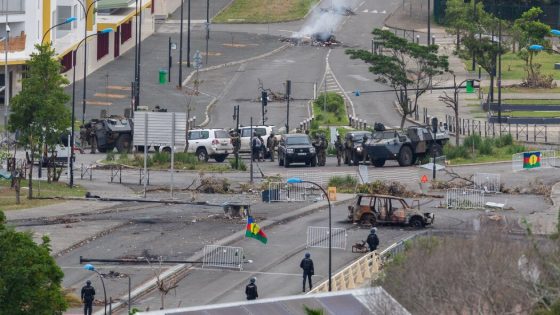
[(222, 140), (245, 140), (194, 140)]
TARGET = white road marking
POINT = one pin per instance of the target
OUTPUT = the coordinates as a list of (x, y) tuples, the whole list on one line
[(374, 11), (383, 12), (366, 11), (359, 77)]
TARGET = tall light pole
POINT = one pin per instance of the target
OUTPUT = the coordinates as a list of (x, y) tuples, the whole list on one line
[(90, 267), (295, 180), (6, 77), (180, 84), (86, 13), (429, 24), (105, 31), (189, 36), (207, 27)]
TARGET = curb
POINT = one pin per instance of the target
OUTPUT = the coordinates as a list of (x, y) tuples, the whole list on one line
[(181, 268), (535, 221)]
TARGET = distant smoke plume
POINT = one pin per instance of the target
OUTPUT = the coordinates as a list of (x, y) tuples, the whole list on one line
[(324, 21)]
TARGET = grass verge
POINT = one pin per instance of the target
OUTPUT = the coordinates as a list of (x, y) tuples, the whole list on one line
[(521, 90), (264, 11), (483, 150), (331, 112), (513, 66), (42, 189), (162, 161)]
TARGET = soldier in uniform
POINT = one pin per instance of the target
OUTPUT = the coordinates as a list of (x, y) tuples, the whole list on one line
[(348, 148), (271, 144), (87, 134), (322, 153), (364, 152), (339, 149), (236, 142)]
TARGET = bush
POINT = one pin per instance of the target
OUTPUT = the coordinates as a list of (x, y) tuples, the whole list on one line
[(242, 165), (516, 148), (452, 152), (335, 102), (471, 140), (110, 156), (343, 183), (486, 147), (161, 158), (504, 140), (186, 158)]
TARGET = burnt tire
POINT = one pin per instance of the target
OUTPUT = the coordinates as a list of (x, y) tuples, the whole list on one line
[(405, 156), (202, 155), (416, 222), (124, 143), (220, 158), (368, 219), (378, 162)]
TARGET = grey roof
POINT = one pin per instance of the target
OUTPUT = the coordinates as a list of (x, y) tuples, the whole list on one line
[(350, 302)]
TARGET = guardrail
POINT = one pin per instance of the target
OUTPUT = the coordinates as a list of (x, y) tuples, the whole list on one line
[(365, 269)]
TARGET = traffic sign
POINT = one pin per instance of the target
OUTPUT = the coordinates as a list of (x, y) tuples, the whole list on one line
[(424, 179)]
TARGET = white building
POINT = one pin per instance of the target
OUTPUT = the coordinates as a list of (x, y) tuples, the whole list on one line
[(30, 20)]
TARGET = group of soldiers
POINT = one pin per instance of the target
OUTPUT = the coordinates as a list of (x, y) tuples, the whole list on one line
[(260, 149)]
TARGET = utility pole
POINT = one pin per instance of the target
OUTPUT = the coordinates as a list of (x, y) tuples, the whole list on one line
[(189, 36), (169, 60), (429, 24), (264, 102), (207, 27), (180, 84), (139, 55), (236, 117), (6, 75), (288, 92), (135, 82), (252, 153), (500, 72), (473, 55)]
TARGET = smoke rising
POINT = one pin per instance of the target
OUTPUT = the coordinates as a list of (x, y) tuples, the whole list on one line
[(324, 20)]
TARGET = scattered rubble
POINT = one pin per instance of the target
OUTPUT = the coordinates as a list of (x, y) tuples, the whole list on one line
[(387, 188), (322, 39)]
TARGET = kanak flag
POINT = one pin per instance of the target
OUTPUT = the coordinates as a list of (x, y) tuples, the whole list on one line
[(531, 159), (253, 230)]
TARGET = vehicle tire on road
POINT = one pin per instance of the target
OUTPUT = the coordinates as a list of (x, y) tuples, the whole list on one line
[(286, 163), (313, 162), (368, 219), (378, 162), (140, 148), (355, 160), (280, 161), (97, 147), (166, 150), (124, 143), (202, 155), (220, 158), (416, 222), (405, 156)]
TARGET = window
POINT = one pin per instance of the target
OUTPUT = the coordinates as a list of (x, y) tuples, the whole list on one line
[(194, 135), (126, 31), (102, 45), (297, 140), (75, 13), (62, 13), (221, 134), (204, 134)]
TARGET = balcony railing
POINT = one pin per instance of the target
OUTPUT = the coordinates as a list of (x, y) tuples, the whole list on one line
[(14, 6)]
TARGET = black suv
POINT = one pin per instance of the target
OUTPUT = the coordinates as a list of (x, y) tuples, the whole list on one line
[(296, 148), (353, 144)]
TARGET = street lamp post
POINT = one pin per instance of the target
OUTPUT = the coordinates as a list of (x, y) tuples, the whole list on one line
[(105, 31), (90, 267), (68, 20), (6, 77), (86, 13), (295, 180)]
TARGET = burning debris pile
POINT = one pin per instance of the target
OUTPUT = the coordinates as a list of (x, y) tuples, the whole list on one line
[(341, 10), (316, 39)]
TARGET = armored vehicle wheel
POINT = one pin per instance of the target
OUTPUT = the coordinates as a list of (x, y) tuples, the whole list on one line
[(416, 222), (123, 143), (368, 219), (378, 163), (202, 155), (220, 158), (405, 156)]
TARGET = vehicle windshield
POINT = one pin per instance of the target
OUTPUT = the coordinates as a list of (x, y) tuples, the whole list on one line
[(220, 134), (358, 137), (379, 135), (297, 140)]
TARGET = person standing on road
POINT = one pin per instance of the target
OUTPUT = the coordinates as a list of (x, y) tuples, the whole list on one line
[(251, 289), (339, 149), (263, 149), (373, 240), (256, 145), (88, 294), (271, 144), (308, 270)]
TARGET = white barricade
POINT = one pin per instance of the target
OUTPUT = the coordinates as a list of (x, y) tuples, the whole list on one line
[(223, 257), (278, 191), (439, 161), (487, 182), (460, 198), (547, 160), (319, 237)]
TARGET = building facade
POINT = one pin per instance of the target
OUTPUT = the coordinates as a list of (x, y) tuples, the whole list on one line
[(29, 22)]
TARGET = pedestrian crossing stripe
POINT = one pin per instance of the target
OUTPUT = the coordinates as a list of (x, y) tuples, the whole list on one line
[(109, 95), (98, 103)]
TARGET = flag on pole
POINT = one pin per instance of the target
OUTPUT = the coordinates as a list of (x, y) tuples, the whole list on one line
[(254, 231), (531, 159)]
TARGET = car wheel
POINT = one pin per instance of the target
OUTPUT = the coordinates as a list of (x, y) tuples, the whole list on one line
[(368, 219), (313, 162), (166, 150), (355, 160), (416, 222), (280, 161), (220, 158), (123, 143), (202, 155), (405, 156), (286, 163), (378, 163)]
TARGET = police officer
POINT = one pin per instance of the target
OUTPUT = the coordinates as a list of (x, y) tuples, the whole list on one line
[(373, 240), (256, 147), (271, 144), (322, 153), (88, 295), (251, 289), (308, 270), (364, 152), (339, 146)]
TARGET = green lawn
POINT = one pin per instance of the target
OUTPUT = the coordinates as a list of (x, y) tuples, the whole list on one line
[(533, 114), (162, 161), (44, 189), (264, 11), (513, 66), (521, 90), (329, 118), (531, 102)]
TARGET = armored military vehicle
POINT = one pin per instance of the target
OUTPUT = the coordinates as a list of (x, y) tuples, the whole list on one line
[(106, 134), (405, 146)]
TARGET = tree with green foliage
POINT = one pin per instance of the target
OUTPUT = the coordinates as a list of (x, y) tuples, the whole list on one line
[(30, 279), (407, 67), (529, 30), (38, 111)]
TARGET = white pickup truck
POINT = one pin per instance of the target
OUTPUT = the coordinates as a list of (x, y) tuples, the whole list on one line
[(263, 131)]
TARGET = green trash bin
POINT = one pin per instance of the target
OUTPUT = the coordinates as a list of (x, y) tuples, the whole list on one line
[(162, 76), (470, 87)]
